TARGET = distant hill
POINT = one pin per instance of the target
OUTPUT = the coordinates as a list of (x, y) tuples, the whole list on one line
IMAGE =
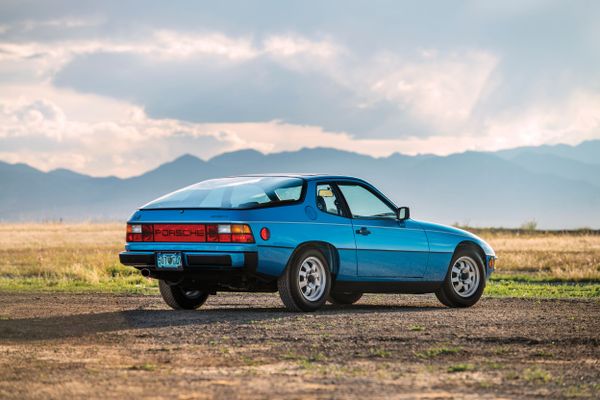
[(586, 152), (558, 186)]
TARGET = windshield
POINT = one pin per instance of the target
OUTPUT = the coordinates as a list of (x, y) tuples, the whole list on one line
[(239, 192)]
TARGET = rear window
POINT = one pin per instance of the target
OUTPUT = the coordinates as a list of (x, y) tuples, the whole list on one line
[(236, 193)]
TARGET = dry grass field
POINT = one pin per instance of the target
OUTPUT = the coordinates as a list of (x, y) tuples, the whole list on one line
[(571, 256), (58, 256), (83, 257)]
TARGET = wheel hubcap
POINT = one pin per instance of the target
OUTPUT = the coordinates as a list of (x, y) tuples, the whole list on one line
[(465, 276), (312, 279)]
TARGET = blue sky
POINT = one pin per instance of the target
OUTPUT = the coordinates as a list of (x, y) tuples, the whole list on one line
[(120, 87)]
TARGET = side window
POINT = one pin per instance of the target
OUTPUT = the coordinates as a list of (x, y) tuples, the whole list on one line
[(365, 204), (326, 200)]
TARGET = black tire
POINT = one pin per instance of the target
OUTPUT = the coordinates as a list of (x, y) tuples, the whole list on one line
[(448, 295), (288, 284), (344, 299), (175, 296)]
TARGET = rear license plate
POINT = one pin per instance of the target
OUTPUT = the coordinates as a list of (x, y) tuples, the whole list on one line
[(168, 261)]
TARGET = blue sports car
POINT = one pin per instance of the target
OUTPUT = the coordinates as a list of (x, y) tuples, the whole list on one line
[(311, 237)]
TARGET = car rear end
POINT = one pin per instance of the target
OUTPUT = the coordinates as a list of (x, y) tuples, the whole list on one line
[(204, 250), (204, 236)]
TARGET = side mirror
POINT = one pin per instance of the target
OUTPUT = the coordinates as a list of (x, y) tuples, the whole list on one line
[(403, 213)]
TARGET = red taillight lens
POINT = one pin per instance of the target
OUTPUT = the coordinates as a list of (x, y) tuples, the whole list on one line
[(212, 233), (198, 233), (147, 233)]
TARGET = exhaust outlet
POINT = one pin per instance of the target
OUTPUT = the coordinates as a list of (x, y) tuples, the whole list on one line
[(145, 272)]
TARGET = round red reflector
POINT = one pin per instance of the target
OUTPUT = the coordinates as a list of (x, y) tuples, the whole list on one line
[(265, 234)]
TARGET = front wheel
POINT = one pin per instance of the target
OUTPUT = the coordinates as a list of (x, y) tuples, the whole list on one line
[(465, 281), (180, 298), (305, 284)]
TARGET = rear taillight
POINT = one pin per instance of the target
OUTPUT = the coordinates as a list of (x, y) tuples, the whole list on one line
[(134, 233), (139, 233), (199, 233), (241, 234)]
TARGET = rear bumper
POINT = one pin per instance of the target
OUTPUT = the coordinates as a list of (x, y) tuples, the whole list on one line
[(137, 259), (207, 271), (246, 261)]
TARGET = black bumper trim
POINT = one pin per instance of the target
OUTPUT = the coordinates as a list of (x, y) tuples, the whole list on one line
[(137, 260), (148, 260), (208, 260), (251, 262)]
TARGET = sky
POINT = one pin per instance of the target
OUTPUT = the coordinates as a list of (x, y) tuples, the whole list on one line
[(117, 88)]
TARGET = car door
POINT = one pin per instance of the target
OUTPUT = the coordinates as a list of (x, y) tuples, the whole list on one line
[(385, 246)]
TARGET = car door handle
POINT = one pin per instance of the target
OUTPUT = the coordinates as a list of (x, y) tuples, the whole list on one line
[(363, 231)]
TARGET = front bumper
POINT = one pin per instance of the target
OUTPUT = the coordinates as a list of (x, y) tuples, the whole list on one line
[(490, 265)]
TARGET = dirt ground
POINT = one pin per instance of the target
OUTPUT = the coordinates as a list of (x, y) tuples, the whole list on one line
[(247, 346)]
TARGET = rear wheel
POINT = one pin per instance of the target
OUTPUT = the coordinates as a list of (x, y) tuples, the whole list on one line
[(305, 284), (465, 281), (180, 298), (344, 298)]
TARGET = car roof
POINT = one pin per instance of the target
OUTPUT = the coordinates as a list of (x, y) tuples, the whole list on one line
[(306, 176)]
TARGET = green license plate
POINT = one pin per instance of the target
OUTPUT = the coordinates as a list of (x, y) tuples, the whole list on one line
[(168, 261)]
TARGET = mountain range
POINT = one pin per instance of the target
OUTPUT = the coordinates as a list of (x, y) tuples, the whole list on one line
[(557, 186)]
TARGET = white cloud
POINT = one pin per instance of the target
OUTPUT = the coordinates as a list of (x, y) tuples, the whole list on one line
[(57, 23), (573, 120), (437, 90), (441, 89), (174, 44), (289, 45), (43, 134), (44, 59), (47, 129)]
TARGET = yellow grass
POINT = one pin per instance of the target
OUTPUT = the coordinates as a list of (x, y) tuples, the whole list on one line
[(88, 253), (572, 256)]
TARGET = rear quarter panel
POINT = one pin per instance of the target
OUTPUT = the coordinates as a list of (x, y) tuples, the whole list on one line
[(291, 226)]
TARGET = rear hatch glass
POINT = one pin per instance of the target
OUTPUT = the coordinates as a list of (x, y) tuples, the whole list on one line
[(233, 193)]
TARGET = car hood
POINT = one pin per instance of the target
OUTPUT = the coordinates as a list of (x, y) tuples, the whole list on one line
[(433, 227)]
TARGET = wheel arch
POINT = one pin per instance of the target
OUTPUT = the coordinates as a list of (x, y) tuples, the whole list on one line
[(469, 244), (329, 251)]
